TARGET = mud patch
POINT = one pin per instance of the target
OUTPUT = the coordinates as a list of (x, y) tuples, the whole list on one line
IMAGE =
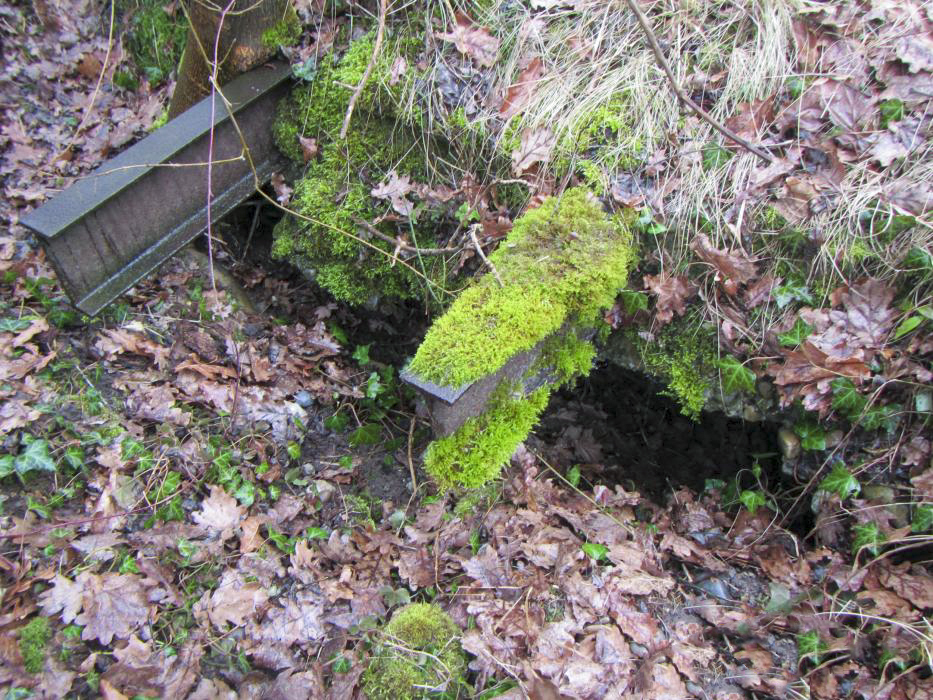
[(617, 427)]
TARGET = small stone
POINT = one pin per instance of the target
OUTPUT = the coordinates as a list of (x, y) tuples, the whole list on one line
[(325, 490), (789, 443), (308, 468), (879, 493), (304, 399), (765, 389), (715, 587), (638, 650), (751, 414), (833, 438)]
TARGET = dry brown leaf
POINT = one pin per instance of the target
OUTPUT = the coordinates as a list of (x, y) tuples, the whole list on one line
[(916, 50), (115, 341), (918, 589), (752, 118), (394, 189), (64, 597), (470, 40), (519, 93), (156, 403), (309, 148), (113, 605), (732, 268), (219, 513), (535, 146), (673, 292), (232, 602)]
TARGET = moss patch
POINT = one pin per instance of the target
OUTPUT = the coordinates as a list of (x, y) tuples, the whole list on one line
[(334, 190), (421, 652), (564, 260), (154, 39), (476, 452), (33, 638)]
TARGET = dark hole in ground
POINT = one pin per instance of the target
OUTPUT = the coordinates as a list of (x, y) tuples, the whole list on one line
[(618, 428)]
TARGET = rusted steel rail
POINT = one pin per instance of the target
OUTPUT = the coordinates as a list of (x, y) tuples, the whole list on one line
[(109, 229)]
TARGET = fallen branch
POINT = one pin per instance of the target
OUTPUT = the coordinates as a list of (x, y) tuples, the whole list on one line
[(401, 245), (377, 47), (479, 250), (683, 96)]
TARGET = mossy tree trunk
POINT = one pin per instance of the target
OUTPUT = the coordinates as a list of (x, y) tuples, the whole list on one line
[(239, 49)]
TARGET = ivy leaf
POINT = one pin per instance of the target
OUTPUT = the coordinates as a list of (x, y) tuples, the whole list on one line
[(891, 111), (841, 482), (317, 533), (796, 335), (791, 291), (906, 326), (595, 551), (846, 398), (633, 302), (923, 519), (368, 434), (752, 500), (736, 376), (36, 457), (6, 465), (373, 386), (573, 475), (14, 325), (812, 436), (361, 354), (878, 417)]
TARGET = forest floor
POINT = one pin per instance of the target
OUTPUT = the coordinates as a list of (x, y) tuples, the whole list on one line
[(202, 500)]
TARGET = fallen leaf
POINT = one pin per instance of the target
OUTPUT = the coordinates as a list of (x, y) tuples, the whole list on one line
[(519, 93), (283, 193), (535, 146), (219, 513), (672, 292), (113, 605), (470, 40), (916, 50), (736, 268), (394, 188)]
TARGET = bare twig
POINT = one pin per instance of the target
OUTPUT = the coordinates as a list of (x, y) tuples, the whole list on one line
[(679, 91), (377, 47), (402, 245), (479, 250)]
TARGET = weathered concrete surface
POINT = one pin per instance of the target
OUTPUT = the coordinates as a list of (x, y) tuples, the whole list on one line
[(111, 228)]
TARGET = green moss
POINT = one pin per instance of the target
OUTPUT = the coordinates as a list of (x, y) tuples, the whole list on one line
[(155, 39), (334, 191), (564, 260), (285, 32), (477, 451), (682, 354), (568, 356), (33, 638), (421, 652), (478, 500)]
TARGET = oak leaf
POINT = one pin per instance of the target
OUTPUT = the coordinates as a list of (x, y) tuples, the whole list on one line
[(470, 40), (672, 293)]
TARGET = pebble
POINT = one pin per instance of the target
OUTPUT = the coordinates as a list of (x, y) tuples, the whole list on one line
[(789, 443), (325, 490), (833, 438), (308, 468), (304, 399), (715, 587)]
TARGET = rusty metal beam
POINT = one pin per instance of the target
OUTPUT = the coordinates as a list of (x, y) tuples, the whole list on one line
[(111, 228)]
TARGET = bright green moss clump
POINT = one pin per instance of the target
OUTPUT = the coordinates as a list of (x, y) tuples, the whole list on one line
[(420, 657), (565, 260), (335, 189), (476, 452), (33, 639)]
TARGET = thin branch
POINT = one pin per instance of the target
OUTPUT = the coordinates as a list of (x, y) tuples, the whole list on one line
[(479, 250), (377, 47), (683, 96), (400, 245)]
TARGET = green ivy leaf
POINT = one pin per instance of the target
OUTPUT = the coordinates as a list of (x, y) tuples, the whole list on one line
[(867, 536), (245, 493), (293, 449), (907, 325), (923, 519), (886, 416), (14, 325), (367, 434), (841, 482), (337, 422), (918, 259), (633, 302), (373, 386), (6, 465), (796, 335), (846, 398), (595, 551), (753, 500), (812, 436), (736, 376), (317, 533), (791, 290), (573, 475), (35, 458), (361, 354)]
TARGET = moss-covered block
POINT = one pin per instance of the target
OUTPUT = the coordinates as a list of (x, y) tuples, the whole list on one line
[(500, 349), (418, 656)]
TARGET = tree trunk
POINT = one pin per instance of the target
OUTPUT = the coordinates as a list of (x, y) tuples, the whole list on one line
[(239, 49)]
